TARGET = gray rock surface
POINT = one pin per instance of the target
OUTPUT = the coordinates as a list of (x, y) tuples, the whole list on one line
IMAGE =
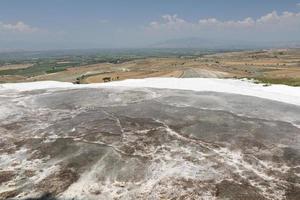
[(119, 143)]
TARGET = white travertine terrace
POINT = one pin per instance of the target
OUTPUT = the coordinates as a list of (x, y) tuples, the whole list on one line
[(282, 93)]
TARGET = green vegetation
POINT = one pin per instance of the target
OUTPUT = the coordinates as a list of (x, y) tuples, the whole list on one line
[(55, 70), (285, 81), (45, 62), (38, 68)]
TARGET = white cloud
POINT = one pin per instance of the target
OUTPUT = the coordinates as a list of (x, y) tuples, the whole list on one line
[(169, 21), (247, 22), (298, 4), (18, 27), (269, 18), (273, 19)]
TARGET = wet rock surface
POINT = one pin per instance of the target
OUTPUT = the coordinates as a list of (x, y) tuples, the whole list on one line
[(119, 143)]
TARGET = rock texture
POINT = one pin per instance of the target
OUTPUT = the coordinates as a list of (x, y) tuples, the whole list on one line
[(114, 143)]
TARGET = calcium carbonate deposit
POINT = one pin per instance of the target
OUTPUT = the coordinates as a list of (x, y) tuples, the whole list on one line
[(157, 138)]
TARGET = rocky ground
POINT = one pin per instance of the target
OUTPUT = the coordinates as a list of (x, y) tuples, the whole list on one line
[(122, 143)]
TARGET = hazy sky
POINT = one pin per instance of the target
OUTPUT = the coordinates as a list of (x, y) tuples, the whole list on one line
[(55, 24)]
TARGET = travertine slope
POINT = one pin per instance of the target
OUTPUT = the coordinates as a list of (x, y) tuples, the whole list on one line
[(142, 143)]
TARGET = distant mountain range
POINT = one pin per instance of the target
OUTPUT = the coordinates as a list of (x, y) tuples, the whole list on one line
[(167, 45), (201, 43)]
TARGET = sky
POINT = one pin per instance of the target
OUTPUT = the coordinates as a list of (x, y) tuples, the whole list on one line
[(72, 24)]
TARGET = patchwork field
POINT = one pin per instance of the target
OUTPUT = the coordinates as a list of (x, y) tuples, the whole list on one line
[(269, 66)]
